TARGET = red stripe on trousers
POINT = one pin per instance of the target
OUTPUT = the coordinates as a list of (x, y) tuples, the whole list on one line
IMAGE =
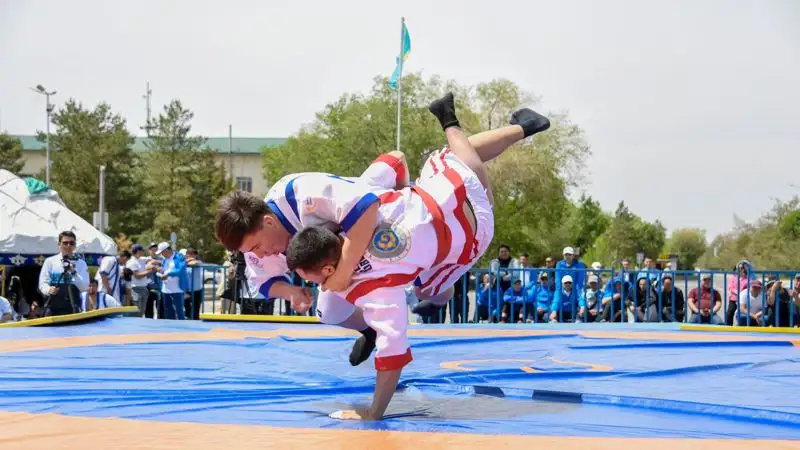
[(444, 237)]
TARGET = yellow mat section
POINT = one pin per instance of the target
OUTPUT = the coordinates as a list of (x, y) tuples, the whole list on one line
[(98, 313), (258, 318), (727, 329)]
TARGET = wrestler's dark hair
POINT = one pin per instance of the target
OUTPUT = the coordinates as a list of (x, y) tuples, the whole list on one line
[(239, 213), (312, 248)]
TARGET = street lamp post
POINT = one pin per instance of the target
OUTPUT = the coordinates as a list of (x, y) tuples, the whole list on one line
[(41, 90)]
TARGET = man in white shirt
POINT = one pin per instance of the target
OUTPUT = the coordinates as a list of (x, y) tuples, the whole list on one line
[(109, 275), (140, 278), (751, 305), (7, 313), (94, 299), (63, 277)]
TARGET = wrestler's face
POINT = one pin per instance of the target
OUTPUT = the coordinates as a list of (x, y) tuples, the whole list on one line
[(317, 276), (268, 240)]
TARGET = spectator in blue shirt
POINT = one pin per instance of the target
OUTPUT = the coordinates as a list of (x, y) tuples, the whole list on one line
[(649, 271), (589, 301), (565, 302), (487, 304), (541, 296), (614, 295), (573, 267), (513, 303)]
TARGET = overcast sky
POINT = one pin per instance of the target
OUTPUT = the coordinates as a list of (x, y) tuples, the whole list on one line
[(691, 107)]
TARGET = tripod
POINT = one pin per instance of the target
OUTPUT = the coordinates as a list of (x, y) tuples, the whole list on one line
[(63, 283)]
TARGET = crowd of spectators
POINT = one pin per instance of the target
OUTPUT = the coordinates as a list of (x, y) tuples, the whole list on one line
[(167, 284), (513, 291)]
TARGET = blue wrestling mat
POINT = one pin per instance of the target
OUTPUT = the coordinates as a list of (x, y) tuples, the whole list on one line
[(603, 381)]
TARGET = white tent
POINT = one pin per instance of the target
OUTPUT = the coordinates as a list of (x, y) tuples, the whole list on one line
[(30, 223)]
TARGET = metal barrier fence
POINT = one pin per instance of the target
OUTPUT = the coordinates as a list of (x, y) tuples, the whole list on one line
[(215, 294), (494, 299), (484, 295)]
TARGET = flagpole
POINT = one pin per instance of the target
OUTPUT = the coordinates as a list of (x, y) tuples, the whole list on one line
[(399, 79)]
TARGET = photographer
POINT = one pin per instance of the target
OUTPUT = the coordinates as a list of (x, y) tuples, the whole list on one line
[(63, 277)]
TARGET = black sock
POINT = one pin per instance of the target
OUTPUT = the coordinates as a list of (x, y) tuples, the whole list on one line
[(445, 111)]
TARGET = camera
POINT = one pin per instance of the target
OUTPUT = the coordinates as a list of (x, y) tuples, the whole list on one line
[(239, 264), (67, 261)]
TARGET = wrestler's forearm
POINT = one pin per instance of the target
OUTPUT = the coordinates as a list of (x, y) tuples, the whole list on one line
[(357, 240), (284, 290), (385, 386)]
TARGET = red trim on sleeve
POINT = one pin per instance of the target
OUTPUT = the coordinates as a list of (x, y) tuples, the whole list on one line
[(397, 165)]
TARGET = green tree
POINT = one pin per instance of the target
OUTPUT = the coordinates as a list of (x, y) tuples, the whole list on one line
[(185, 182), (650, 237), (530, 182), (11, 154), (689, 244), (770, 243), (621, 234), (590, 222), (84, 139), (628, 234)]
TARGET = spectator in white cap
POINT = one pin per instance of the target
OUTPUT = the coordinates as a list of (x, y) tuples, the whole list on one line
[(174, 281), (573, 267), (588, 301), (565, 302)]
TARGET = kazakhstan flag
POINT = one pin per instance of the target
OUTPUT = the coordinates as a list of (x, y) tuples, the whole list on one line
[(398, 71)]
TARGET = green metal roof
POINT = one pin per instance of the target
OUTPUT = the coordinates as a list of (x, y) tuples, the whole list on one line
[(244, 145)]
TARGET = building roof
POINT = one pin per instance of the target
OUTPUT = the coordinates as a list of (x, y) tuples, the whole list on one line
[(242, 145)]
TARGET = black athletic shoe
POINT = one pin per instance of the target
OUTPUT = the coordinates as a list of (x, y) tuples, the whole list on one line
[(363, 347), (425, 308), (445, 110), (530, 121)]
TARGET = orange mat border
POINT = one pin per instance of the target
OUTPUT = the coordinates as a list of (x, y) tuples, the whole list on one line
[(25, 431)]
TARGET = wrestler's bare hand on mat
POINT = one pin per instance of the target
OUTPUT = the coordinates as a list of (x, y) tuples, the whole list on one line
[(350, 414)]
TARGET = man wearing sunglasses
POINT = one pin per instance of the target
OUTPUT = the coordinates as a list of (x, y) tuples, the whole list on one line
[(63, 277)]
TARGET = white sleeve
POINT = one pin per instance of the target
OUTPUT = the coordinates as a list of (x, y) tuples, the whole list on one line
[(44, 276), (81, 277), (264, 272), (105, 266), (324, 198)]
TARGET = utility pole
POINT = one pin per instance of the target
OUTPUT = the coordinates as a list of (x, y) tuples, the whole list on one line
[(102, 200), (41, 90), (148, 126)]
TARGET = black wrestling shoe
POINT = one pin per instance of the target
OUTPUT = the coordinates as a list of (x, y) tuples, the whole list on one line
[(425, 308), (445, 110), (530, 121), (363, 347)]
